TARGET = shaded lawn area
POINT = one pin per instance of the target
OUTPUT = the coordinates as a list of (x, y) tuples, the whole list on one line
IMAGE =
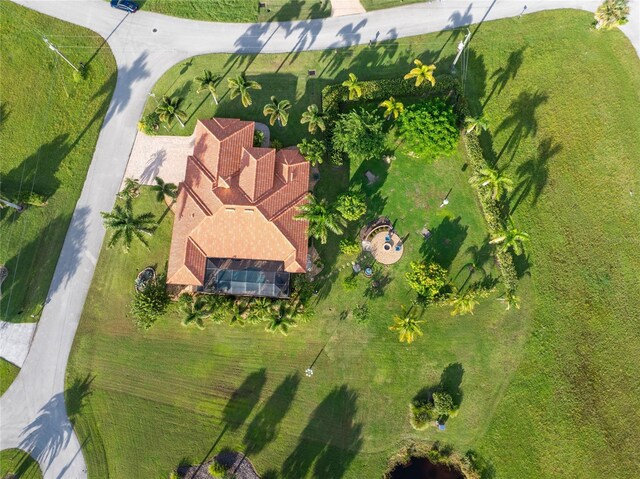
[(239, 10), (8, 373), (547, 390), (48, 131), (19, 463)]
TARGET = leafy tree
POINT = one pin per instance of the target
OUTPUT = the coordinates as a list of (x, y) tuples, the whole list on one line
[(354, 87), (427, 279), (421, 414), (321, 218), (351, 206), (126, 226), (361, 313), (349, 247), (314, 118), (150, 303), (611, 14), (277, 111), (169, 109), (163, 189), (422, 73), (443, 404), (406, 325), (313, 150), (493, 180), (359, 135), (196, 308), (511, 238), (130, 190), (240, 86), (392, 107), (207, 82), (429, 128), (476, 124)]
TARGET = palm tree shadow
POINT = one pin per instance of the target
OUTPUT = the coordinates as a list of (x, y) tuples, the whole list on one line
[(503, 75)]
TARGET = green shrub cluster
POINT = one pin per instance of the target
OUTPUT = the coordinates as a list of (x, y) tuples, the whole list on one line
[(427, 279), (358, 135), (349, 247), (351, 206), (149, 124), (150, 304), (361, 313), (492, 212)]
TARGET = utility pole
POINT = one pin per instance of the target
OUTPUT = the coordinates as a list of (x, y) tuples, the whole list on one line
[(461, 47), (55, 49)]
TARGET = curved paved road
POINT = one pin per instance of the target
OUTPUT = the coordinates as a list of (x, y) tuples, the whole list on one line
[(33, 415)]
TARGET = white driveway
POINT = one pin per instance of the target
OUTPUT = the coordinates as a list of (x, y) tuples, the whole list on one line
[(15, 339), (145, 45)]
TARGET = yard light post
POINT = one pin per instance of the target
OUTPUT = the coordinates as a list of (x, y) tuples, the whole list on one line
[(461, 47), (445, 200), (55, 49)]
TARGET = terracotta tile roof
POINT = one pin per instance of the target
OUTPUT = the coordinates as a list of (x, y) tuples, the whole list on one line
[(237, 201)]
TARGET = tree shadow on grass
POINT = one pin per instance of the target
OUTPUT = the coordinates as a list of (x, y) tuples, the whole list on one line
[(264, 427), (330, 441), (503, 75), (445, 242), (24, 464), (76, 395), (450, 381)]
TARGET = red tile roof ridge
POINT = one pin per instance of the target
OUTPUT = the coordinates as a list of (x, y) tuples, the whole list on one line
[(196, 199), (203, 169)]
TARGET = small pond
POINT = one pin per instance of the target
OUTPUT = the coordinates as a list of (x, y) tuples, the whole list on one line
[(421, 468)]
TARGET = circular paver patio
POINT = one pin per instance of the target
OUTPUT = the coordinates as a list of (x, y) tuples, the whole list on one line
[(386, 247)]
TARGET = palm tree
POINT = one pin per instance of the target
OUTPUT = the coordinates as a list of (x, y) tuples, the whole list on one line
[(237, 312), (163, 189), (511, 238), (612, 13), (510, 300), (497, 183), (476, 124), (126, 226), (208, 82), (463, 303), (321, 218), (422, 73), (283, 318), (130, 190), (406, 325), (355, 88), (195, 308), (315, 118), (277, 111), (392, 108), (240, 86), (169, 108), (260, 309)]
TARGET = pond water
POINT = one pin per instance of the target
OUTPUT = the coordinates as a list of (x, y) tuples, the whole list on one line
[(420, 468)]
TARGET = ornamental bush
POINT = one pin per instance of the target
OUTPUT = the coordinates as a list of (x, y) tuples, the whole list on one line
[(149, 304), (358, 135), (313, 150), (443, 404), (361, 313), (421, 414), (149, 124), (429, 128), (351, 206), (427, 279), (349, 247)]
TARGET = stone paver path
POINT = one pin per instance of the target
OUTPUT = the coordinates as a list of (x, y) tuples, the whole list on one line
[(340, 8)]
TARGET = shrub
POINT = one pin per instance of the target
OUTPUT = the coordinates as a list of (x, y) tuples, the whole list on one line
[(313, 150), (277, 144), (358, 135), (361, 313), (429, 128), (443, 404), (149, 124), (32, 199), (336, 158), (421, 414), (351, 206), (258, 138), (150, 304), (217, 469), (350, 282), (427, 279), (349, 247)]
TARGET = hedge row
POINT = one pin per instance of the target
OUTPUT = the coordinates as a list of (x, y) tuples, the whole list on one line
[(492, 213), (446, 86)]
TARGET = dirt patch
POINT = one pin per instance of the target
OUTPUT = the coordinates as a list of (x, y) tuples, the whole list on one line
[(422, 468), (236, 462)]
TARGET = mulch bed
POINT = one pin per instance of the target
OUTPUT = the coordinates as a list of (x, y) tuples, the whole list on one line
[(235, 461)]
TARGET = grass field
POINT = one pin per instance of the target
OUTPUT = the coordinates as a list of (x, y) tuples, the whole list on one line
[(240, 10), (549, 390), (8, 373), (48, 131), (21, 464), (380, 4)]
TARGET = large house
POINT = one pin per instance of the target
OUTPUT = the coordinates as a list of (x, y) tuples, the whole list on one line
[(235, 230)]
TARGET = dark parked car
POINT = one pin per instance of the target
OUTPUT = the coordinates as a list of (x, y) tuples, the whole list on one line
[(126, 5)]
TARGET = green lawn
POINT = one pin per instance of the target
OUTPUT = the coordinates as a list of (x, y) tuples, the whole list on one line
[(548, 390), (20, 464), (8, 373), (48, 130), (240, 10), (380, 4)]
